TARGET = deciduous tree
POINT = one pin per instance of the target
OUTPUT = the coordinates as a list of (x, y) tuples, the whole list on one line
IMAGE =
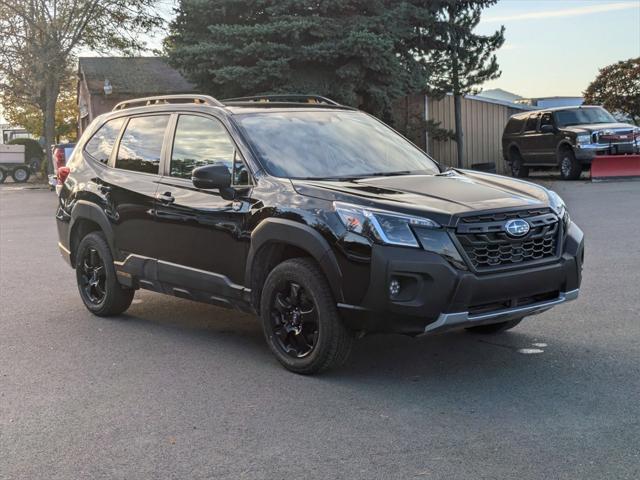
[(30, 117), (38, 39), (617, 88)]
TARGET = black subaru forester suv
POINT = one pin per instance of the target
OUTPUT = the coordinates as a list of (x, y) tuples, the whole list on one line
[(317, 217)]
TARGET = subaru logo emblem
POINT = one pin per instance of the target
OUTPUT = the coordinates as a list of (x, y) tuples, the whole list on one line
[(517, 228)]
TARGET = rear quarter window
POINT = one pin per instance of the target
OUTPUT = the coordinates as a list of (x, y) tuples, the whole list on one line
[(101, 143), (514, 125)]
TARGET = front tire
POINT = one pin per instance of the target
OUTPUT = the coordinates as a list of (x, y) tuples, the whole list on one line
[(570, 168), (97, 283), (495, 328), (300, 319)]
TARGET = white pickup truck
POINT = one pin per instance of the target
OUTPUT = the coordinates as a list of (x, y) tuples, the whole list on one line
[(12, 162)]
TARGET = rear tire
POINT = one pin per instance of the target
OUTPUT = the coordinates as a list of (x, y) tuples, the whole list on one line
[(518, 170), (20, 174), (3, 176), (97, 283), (495, 328), (570, 168), (300, 319)]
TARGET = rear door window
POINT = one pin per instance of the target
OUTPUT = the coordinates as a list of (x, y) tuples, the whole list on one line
[(102, 142), (532, 123), (141, 144)]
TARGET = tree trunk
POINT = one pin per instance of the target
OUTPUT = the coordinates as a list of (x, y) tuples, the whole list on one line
[(457, 106), (455, 81), (52, 88)]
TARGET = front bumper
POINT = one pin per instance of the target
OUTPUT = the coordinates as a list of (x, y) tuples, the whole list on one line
[(589, 151), (442, 297), (455, 321)]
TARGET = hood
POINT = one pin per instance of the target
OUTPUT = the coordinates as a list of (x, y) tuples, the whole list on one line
[(596, 127), (445, 195)]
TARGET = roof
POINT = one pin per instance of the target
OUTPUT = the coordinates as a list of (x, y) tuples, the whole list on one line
[(515, 106), (557, 97), (499, 94), (133, 75)]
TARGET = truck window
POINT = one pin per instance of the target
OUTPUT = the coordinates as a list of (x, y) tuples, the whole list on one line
[(101, 143), (514, 125), (532, 123)]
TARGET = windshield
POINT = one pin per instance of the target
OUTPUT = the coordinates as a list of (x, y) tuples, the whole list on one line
[(583, 116), (331, 145)]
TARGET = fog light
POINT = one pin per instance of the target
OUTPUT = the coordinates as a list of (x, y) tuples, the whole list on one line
[(394, 288)]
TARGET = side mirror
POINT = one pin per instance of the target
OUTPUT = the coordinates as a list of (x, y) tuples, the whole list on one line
[(547, 129), (211, 177)]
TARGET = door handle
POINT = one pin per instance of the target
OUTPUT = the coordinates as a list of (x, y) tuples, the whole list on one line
[(166, 198)]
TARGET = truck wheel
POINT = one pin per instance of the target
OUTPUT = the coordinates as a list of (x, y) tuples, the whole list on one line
[(495, 327), (99, 288), (300, 319), (518, 170), (3, 175), (570, 168), (20, 174)]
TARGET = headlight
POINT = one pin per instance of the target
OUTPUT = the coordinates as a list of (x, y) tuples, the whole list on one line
[(558, 206), (583, 139), (382, 226)]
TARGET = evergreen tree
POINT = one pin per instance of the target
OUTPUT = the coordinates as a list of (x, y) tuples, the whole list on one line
[(359, 52), (462, 60)]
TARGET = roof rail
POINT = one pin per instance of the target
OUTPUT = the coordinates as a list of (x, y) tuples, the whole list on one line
[(295, 98), (163, 99)]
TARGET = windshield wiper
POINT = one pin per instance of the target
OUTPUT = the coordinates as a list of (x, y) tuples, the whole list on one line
[(351, 178), (393, 174)]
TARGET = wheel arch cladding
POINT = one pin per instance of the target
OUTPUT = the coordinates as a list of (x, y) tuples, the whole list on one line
[(293, 237), (85, 218)]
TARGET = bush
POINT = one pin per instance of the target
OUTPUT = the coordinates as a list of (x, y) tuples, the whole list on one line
[(33, 151)]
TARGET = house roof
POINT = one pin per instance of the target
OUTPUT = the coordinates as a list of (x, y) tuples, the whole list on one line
[(499, 94), (133, 75), (515, 106)]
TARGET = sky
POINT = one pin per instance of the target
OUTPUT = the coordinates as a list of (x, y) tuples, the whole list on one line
[(555, 47), (552, 47)]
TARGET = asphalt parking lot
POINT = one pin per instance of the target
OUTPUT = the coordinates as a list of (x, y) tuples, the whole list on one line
[(179, 390)]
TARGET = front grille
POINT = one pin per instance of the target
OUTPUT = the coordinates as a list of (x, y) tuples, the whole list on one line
[(502, 216), (488, 247), (615, 136)]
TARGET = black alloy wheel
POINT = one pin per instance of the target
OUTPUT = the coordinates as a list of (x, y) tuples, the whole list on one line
[(98, 285), (300, 318), (294, 319), (93, 276)]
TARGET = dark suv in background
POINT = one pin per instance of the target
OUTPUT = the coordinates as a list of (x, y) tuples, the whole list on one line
[(568, 138), (317, 217)]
